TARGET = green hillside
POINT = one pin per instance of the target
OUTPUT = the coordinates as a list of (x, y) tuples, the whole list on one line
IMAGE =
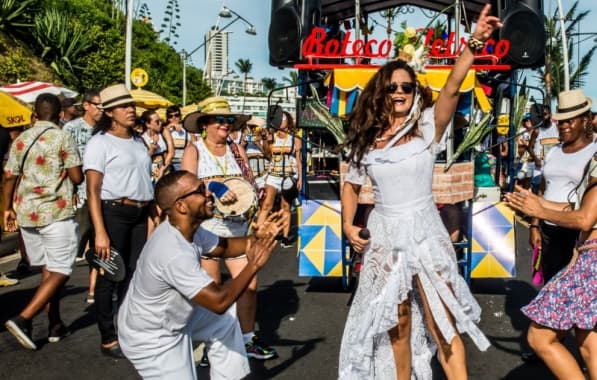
[(80, 44)]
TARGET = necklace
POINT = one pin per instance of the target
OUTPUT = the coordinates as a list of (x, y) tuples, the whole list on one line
[(223, 168)]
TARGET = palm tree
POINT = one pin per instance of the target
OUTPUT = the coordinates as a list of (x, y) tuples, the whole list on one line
[(292, 79), (244, 66), (269, 83), (552, 75)]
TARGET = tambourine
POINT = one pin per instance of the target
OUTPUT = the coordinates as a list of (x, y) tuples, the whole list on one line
[(246, 200)]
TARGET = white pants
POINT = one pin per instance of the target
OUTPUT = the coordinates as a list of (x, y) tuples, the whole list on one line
[(223, 338), (54, 245)]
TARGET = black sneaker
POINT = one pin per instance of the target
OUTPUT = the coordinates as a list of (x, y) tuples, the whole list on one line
[(58, 332), (23, 267), (204, 362), (285, 243), (20, 328), (256, 349)]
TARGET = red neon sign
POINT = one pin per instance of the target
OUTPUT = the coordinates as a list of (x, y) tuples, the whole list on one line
[(315, 47)]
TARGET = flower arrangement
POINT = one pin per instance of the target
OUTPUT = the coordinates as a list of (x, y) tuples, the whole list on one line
[(407, 42)]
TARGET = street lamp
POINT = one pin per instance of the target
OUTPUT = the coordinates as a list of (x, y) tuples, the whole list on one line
[(225, 12)]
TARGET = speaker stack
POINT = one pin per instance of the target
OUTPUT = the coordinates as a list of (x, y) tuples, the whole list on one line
[(291, 21), (524, 27)]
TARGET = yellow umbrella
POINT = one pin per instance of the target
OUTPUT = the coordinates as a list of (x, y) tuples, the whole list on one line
[(148, 99), (13, 112)]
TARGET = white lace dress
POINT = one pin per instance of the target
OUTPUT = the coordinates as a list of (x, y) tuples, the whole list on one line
[(407, 239)]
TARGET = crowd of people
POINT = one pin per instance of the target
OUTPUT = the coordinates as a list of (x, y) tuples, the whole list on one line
[(177, 199), (103, 184)]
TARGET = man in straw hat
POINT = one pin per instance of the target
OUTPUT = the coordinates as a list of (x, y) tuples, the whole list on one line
[(160, 316), (562, 172), (212, 159)]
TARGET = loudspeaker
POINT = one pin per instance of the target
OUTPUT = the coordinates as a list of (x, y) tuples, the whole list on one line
[(525, 29), (291, 21)]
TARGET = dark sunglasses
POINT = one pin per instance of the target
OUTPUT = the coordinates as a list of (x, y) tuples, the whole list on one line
[(199, 190), (224, 119), (407, 87), (173, 115)]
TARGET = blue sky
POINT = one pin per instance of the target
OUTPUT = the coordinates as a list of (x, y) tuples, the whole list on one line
[(197, 16)]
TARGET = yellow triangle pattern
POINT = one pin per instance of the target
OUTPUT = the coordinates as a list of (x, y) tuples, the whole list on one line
[(489, 267), (326, 215), (315, 250), (336, 270)]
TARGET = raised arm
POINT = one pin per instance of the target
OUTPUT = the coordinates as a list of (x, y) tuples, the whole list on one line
[(448, 96)]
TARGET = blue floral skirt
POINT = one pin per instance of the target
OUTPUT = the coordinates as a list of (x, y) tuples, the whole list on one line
[(569, 299)]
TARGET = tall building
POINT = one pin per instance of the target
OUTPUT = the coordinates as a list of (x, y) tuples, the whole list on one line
[(216, 54)]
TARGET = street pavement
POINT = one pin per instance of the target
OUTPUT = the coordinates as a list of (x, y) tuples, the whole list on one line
[(302, 318)]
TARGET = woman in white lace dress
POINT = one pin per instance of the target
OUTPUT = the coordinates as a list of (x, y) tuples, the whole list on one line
[(410, 294)]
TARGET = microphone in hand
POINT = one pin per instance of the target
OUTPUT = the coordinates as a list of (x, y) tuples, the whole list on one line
[(364, 233)]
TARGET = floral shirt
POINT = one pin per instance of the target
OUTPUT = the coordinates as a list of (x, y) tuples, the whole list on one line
[(45, 192), (81, 133)]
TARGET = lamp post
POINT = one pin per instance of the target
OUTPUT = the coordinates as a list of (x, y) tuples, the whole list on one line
[(225, 12), (128, 43)]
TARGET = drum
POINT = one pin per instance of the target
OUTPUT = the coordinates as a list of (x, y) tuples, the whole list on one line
[(246, 201)]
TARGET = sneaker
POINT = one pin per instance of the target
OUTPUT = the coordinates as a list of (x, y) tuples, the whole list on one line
[(90, 298), (204, 362), (256, 349), (58, 332), (285, 243), (7, 281), (20, 328)]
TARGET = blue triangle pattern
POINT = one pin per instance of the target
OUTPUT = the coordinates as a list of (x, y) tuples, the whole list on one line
[(306, 267), (307, 233)]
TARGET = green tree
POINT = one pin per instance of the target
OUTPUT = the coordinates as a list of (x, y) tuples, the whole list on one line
[(16, 16), (552, 75), (269, 84), (244, 66), (61, 42), (171, 22), (292, 79)]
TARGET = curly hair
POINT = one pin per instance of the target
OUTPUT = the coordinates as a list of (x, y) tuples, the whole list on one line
[(373, 110)]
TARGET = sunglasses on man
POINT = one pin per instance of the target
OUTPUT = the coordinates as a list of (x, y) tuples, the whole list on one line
[(171, 115), (407, 87), (199, 190)]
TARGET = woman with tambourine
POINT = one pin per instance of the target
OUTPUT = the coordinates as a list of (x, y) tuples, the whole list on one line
[(284, 172), (212, 159)]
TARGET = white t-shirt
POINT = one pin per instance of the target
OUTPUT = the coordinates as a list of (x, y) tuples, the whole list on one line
[(159, 303), (563, 172), (125, 164)]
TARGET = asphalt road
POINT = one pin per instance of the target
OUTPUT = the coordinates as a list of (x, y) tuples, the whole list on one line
[(302, 318)]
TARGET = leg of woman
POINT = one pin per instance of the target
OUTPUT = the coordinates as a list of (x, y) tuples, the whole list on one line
[(400, 338), (587, 343), (246, 305), (451, 355), (286, 207), (546, 343), (267, 205)]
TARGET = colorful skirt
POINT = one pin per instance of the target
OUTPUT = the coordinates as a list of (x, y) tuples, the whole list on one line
[(570, 298)]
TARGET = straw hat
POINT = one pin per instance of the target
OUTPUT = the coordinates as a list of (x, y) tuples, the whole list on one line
[(256, 121), (571, 104), (115, 95), (214, 106)]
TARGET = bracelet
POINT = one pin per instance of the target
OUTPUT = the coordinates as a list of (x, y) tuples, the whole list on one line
[(534, 226), (475, 44)]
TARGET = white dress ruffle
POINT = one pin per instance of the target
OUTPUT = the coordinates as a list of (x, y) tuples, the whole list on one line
[(407, 239)]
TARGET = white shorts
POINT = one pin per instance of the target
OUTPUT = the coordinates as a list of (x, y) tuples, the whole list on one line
[(223, 339), (54, 246), (276, 181), (225, 227)]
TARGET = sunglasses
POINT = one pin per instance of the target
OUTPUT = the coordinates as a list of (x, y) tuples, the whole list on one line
[(407, 87), (199, 190), (173, 115), (224, 119)]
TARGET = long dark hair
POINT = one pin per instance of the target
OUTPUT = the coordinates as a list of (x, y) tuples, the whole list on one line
[(372, 112)]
